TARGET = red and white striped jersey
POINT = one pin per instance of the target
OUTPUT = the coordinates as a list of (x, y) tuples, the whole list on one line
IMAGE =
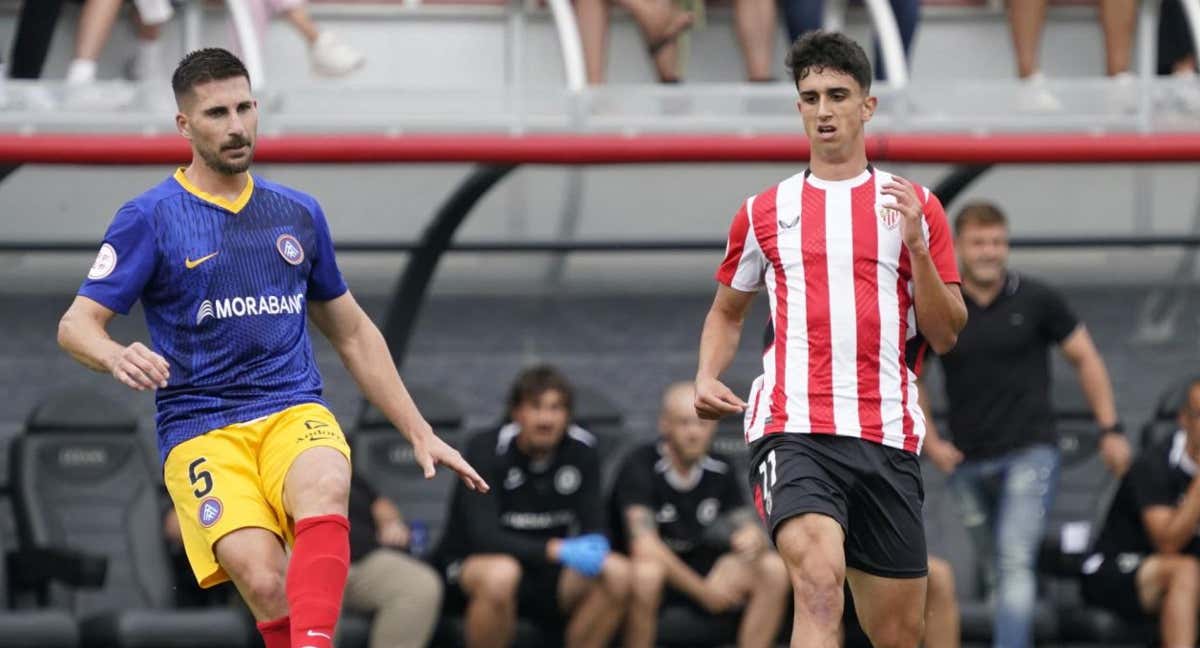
[(846, 350)]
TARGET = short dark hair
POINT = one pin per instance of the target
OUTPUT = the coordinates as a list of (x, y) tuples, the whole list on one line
[(822, 50), (204, 65), (979, 213), (534, 381)]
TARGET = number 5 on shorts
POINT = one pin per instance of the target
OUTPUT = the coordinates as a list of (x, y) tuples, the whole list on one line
[(768, 479), (202, 476)]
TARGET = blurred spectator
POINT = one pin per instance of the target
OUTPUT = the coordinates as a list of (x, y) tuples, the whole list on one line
[(1176, 52), (400, 593), (1004, 459), (31, 44), (95, 28), (800, 16), (504, 551), (1145, 555), (693, 539), (1027, 20), (328, 54), (662, 22)]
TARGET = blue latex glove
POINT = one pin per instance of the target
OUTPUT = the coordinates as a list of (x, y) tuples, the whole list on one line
[(585, 554)]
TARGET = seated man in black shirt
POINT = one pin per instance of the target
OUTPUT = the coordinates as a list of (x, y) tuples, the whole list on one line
[(685, 522), (504, 551), (1145, 556)]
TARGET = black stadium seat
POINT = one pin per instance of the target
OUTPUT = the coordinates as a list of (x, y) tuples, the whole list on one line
[(81, 480)]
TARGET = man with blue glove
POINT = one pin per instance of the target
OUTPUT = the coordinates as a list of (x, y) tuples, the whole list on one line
[(504, 553)]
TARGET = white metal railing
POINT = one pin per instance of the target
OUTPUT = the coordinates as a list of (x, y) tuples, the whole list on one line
[(247, 36), (891, 45)]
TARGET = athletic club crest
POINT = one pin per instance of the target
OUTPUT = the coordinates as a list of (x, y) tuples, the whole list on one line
[(889, 216), (210, 511), (289, 248)]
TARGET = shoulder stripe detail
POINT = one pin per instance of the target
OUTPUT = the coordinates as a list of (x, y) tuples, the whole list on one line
[(581, 435), (505, 437)]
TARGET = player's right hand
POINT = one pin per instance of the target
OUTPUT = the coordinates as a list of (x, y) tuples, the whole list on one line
[(714, 400), (140, 368)]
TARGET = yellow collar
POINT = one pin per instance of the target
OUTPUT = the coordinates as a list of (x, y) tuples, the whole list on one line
[(234, 206)]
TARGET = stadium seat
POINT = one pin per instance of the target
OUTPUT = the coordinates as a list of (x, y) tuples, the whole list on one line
[(27, 627), (1162, 422), (81, 481)]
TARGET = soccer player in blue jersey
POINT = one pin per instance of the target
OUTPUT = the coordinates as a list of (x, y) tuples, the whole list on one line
[(227, 265)]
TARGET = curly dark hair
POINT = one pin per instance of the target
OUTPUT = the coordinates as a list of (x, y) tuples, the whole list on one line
[(204, 65), (822, 50), (531, 383)]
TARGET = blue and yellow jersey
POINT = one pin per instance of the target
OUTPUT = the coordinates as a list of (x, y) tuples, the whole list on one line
[(224, 286)]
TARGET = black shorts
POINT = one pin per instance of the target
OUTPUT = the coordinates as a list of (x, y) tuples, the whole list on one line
[(1110, 582), (537, 595), (873, 491)]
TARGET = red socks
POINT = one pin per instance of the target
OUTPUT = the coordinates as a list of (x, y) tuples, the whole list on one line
[(316, 578), (277, 633)]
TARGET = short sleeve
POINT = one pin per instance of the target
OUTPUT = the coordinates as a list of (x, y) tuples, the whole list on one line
[(125, 263), (732, 496), (744, 262), (941, 244), (325, 280), (1152, 484), (634, 487), (1057, 319)]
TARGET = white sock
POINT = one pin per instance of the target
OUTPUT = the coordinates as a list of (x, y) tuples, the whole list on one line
[(149, 59), (81, 71)]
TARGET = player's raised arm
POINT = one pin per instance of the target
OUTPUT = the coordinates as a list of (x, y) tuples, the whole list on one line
[(365, 354), (83, 333)]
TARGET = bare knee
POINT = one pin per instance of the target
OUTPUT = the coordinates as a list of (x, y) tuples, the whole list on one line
[(771, 574), (649, 576), (1184, 574), (617, 576), (331, 492), (265, 588), (898, 631), (941, 581), (494, 579), (318, 483), (811, 547)]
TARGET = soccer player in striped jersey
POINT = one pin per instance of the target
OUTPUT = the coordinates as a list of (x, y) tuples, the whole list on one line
[(227, 265), (860, 271)]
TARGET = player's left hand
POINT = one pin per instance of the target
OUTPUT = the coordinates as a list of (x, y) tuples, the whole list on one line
[(1116, 453), (912, 218), (748, 541), (430, 451)]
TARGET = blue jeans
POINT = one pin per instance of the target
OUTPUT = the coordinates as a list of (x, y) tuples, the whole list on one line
[(1004, 502)]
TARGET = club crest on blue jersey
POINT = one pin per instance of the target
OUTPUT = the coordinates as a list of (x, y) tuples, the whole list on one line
[(210, 511), (289, 248)]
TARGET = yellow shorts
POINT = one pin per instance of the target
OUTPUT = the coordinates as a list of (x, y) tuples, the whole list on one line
[(232, 478)]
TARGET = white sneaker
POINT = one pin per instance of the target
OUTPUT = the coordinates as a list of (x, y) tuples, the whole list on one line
[(1034, 96), (1122, 94), (330, 56)]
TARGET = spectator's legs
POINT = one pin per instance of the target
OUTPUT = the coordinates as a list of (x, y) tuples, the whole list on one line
[(801, 16), (95, 26), (1170, 585), (490, 582), (811, 547), (1176, 53), (941, 607), (641, 624), (35, 29), (1027, 18), (756, 24), (767, 587), (147, 64), (593, 32), (402, 593), (1118, 19), (908, 15), (597, 606), (1027, 493), (976, 507)]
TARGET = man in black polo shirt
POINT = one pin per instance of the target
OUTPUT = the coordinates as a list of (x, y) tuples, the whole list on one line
[(1145, 556), (504, 551), (1004, 456), (681, 515)]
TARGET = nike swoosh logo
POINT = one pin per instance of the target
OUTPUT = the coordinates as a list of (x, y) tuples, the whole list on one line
[(192, 264), (314, 633)]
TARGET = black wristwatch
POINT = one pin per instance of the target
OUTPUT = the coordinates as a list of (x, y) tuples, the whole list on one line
[(1115, 428)]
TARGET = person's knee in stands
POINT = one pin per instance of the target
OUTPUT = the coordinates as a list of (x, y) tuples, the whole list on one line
[(490, 583)]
